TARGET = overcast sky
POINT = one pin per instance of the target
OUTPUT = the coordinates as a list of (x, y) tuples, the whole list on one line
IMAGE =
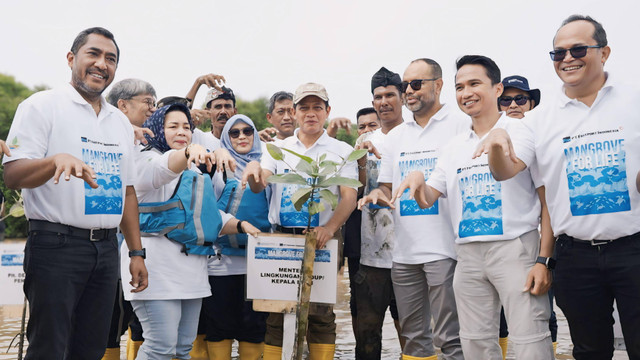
[(265, 46)]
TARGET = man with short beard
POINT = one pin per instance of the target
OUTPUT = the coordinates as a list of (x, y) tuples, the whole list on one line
[(423, 261)]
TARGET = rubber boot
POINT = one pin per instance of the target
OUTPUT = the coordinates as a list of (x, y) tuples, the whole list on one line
[(132, 347), (409, 357), (271, 352), (504, 343), (555, 347), (250, 351), (321, 351), (219, 350), (111, 354), (199, 349)]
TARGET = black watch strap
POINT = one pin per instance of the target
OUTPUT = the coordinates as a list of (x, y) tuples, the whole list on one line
[(142, 253), (549, 262), (239, 227)]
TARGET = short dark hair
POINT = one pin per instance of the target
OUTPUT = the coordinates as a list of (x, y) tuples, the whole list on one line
[(599, 35), (81, 39), (492, 70), (279, 96), (365, 111), (435, 67), (170, 100), (127, 89)]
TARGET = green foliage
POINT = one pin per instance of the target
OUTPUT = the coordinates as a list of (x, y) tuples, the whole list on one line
[(349, 139), (256, 110), (11, 94), (323, 174)]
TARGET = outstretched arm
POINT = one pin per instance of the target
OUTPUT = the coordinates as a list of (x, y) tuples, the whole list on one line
[(424, 194), (31, 173), (503, 162)]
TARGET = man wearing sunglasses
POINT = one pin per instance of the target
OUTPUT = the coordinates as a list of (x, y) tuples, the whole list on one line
[(585, 149), (423, 262), (517, 97)]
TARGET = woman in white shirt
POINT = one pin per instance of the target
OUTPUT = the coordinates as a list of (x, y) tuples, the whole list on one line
[(169, 308)]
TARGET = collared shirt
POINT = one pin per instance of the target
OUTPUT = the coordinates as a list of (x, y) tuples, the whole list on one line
[(206, 139), (588, 159), (483, 209), (422, 235), (62, 121), (282, 211)]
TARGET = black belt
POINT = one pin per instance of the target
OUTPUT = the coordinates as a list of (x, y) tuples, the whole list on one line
[(91, 234), (290, 230), (635, 236)]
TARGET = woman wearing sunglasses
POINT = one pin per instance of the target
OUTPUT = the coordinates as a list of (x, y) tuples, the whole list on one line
[(228, 316), (169, 308), (517, 98)]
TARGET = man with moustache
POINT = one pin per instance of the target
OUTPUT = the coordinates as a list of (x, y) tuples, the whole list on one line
[(423, 262), (584, 148), (71, 255)]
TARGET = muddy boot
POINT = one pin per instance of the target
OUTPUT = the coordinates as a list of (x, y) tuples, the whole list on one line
[(219, 350), (250, 351), (111, 354), (271, 352), (132, 347), (199, 349), (321, 351), (504, 343)]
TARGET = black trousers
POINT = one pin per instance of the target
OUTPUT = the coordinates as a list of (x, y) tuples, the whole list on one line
[(70, 283), (587, 280)]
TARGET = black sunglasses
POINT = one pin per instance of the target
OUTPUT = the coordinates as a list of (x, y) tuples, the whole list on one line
[(235, 133), (519, 99), (577, 52), (415, 84)]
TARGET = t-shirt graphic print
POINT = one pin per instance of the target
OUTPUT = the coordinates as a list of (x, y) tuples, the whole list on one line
[(416, 161), (596, 173), (481, 202), (104, 159)]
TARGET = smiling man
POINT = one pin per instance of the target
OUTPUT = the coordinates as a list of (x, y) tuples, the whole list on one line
[(585, 149), (71, 255)]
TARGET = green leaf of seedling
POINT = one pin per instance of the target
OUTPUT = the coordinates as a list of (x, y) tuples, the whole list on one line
[(315, 208), (275, 152), (329, 197), (305, 158), (304, 167), (356, 154), (300, 197), (322, 157), (340, 181), (288, 178), (328, 169)]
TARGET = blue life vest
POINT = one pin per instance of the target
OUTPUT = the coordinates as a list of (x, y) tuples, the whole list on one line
[(190, 217), (244, 205)]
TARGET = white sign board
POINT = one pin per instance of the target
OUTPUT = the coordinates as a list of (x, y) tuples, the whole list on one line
[(273, 269), (11, 273)]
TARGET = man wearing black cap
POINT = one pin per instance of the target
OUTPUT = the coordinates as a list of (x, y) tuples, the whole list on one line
[(517, 97), (373, 287), (423, 261)]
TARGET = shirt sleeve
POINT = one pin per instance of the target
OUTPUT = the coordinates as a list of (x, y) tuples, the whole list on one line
[(385, 175), (350, 169), (129, 161), (29, 134), (153, 170), (438, 178), (522, 138), (268, 163)]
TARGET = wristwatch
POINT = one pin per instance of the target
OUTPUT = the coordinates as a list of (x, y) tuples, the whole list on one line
[(549, 262), (239, 227), (142, 253)]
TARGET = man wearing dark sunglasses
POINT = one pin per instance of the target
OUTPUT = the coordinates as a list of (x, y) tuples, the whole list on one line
[(419, 257), (517, 98), (585, 150)]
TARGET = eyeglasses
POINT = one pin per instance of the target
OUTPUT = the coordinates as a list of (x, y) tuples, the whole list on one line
[(519, 99), (415, 84), (151, 103), (577, 52), (235, 133)]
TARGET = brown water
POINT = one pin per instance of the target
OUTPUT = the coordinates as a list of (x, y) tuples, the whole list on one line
[(10, 316)]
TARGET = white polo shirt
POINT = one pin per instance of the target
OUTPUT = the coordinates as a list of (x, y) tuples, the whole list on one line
[(588, 159), (206, 139), (483, 209), (422, 235), (378, 236), (61, 121), (281, 211)]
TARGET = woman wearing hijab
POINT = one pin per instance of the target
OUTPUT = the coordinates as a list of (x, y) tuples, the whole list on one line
[(228, 315), (169, 308)]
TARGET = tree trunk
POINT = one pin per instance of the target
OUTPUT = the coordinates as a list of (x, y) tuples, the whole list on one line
[(304, 292)]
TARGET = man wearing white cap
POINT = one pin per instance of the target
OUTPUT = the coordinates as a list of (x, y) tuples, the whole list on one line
[(311, 110)]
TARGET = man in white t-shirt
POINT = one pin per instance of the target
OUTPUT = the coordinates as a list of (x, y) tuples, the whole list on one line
[(499, 248), (311, 110), (423, 261), (585, 150), (71, 255), (373, 288)]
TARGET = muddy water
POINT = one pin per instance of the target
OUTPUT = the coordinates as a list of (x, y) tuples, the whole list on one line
[(345, 344)]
